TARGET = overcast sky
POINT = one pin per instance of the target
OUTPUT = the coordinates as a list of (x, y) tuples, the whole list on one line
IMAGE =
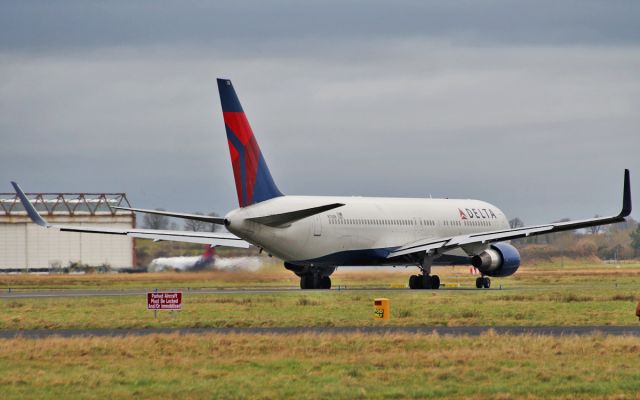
[(532, 106)]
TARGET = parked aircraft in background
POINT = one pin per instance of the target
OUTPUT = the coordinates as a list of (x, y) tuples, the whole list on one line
[(209, 260), (314, 234), (184, 263)]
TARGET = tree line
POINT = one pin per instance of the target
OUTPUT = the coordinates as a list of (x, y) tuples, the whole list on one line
[(162, 222)]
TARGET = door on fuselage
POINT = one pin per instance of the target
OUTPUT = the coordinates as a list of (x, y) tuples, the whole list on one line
[(317, 226)]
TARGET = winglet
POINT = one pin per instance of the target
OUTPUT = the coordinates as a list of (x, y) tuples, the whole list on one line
[(626, 196), (31, 210)]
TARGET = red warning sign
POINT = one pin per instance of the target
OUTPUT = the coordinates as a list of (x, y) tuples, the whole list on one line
[(164, 300)]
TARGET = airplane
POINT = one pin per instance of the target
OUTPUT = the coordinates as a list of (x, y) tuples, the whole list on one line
[(185, 263), (314, 235)]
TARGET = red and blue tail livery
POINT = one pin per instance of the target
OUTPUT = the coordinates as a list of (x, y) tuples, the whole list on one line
[(253, 179)]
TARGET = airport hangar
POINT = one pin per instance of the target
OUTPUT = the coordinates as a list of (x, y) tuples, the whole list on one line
[(25, 246)]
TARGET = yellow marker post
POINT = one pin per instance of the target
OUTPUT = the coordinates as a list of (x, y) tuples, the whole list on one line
[(381, 309)]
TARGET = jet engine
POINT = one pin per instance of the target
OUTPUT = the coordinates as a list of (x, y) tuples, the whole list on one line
[(501, 259)]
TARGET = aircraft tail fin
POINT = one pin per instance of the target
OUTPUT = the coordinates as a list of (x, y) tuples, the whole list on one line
[(252, 177)]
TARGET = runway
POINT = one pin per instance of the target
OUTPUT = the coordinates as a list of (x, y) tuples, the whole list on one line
[(370, 330), (10, 293)]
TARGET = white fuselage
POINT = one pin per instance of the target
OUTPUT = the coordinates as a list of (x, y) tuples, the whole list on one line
[(364, 225)]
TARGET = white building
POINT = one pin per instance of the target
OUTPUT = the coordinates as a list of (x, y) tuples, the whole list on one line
[(27, 246)]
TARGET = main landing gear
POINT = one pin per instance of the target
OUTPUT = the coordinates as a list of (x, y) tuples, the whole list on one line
[(483, 282), (315, 281), (312, 277), (424, 282)]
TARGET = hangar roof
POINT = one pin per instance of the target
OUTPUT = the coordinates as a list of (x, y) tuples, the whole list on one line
[(66, 203)]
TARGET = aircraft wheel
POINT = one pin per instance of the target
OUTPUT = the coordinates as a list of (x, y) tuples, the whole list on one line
[(414, 282), (427, 282), (435, 282), (487, 283), (325, 282), (479, 283), (306, 282)]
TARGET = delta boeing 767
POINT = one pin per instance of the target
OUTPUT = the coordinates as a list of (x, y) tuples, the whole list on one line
[(314, 235)]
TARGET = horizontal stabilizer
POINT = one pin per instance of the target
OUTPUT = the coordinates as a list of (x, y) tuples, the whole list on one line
[(284, 219), (196, 217)]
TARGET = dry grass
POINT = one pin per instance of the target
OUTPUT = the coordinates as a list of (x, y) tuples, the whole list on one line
[(321, 366), (156, 279), (566, 306), (273, 274)]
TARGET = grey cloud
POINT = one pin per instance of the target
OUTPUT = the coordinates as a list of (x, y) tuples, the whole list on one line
[(246, 26)]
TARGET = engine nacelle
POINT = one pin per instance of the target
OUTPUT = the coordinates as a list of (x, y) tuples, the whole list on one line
[(501, 259)]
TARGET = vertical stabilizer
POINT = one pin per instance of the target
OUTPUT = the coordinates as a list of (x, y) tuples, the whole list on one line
[(253, 179)]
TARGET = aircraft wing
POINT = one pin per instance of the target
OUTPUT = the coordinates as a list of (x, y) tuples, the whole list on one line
[(433, 245), (211, 238)]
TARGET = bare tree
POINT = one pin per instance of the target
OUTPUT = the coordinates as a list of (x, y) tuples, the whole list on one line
[(635, 240), (556, 236), (628, 223), (595, 229), (213, 227), (154, 221), (517, 223), (195, 225), (200, 226)]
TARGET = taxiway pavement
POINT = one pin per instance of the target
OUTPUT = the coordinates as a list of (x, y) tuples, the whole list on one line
[(372, 330)]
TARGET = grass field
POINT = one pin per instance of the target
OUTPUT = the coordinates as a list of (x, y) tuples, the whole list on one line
[(335, 308), (572, 296), (321, 367)]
